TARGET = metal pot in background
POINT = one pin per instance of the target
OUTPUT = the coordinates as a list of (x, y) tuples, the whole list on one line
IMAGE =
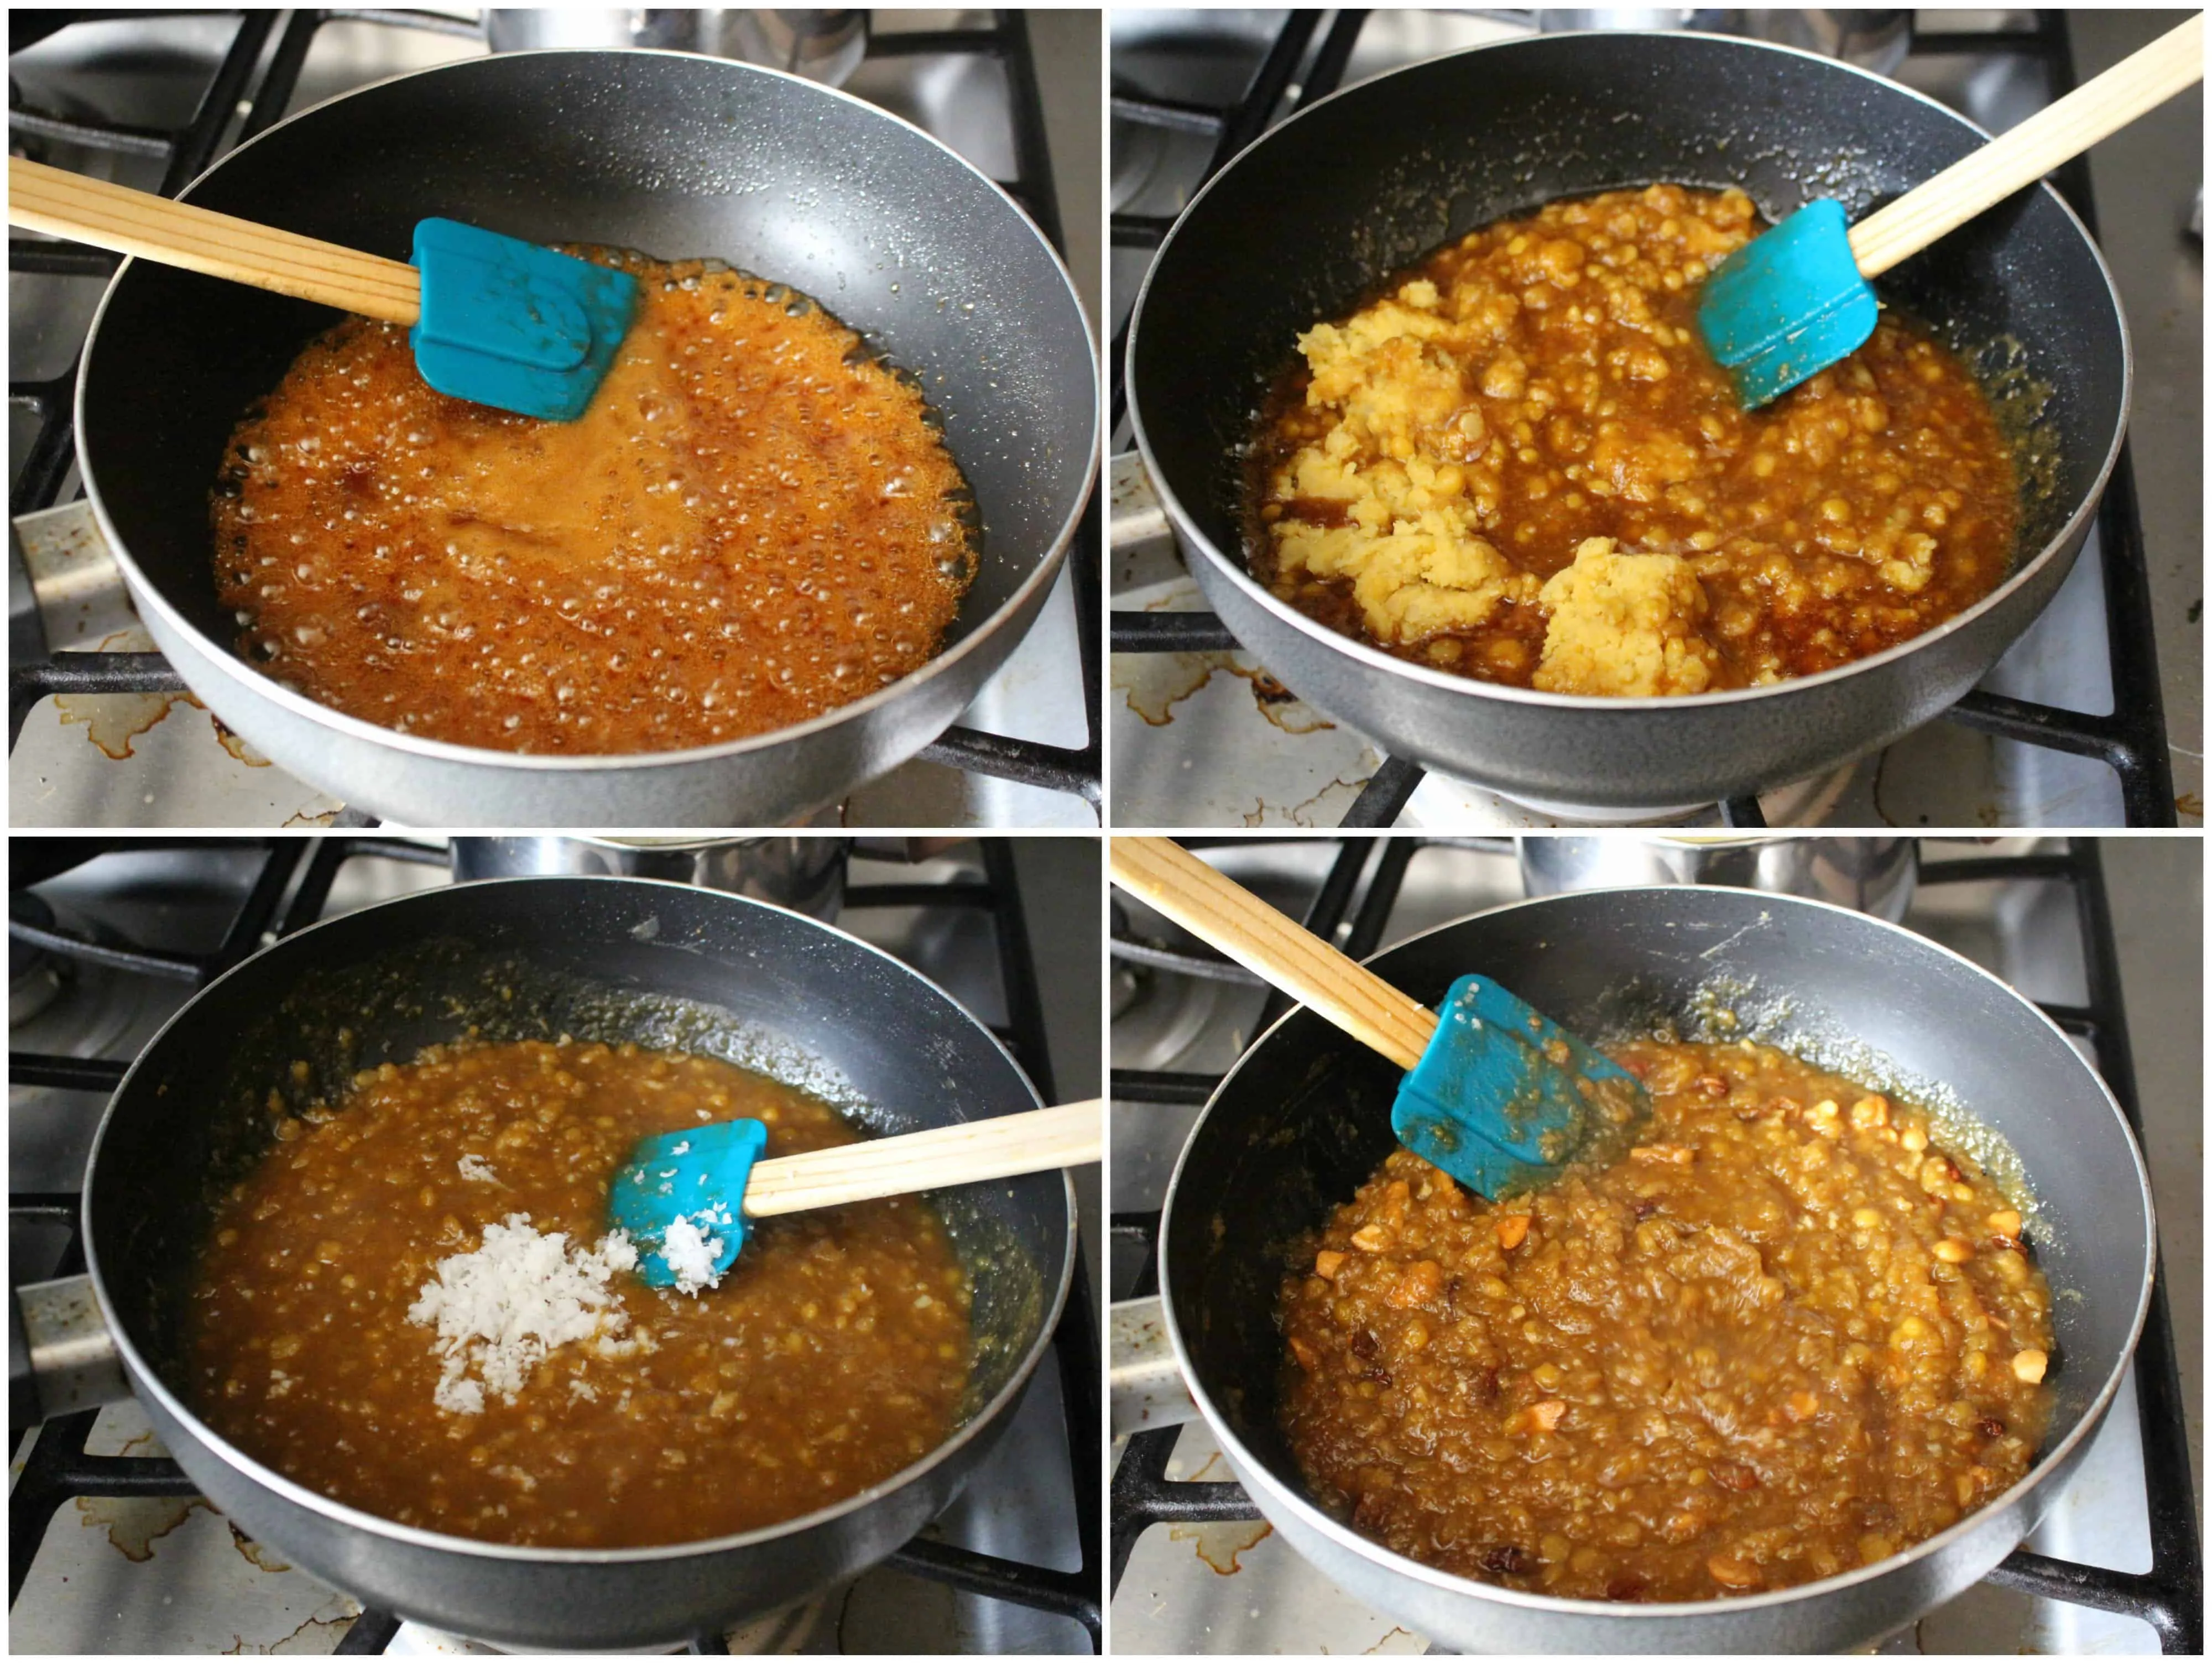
[(804, 874), (1868, 875)]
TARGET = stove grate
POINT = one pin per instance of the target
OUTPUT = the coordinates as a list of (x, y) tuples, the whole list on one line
[(2131, 741), (57, 1468), (37, 674), (2169, 1597)]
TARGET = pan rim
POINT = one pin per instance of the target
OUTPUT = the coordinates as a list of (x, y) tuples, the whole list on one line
[(1043, 573), (141, 1375), (1292, 1495), (1595, 705)]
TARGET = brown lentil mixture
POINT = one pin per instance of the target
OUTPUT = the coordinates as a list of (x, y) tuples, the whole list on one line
[(1785, 1336), (1522, 465), (751, 525), (834, 1352)]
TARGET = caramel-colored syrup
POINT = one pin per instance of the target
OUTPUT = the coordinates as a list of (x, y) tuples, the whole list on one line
[(752, 523)]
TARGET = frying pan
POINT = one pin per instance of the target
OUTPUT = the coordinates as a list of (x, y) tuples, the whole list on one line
[(678, 156), (1304, 1118), (612, 959), (1306, 221)]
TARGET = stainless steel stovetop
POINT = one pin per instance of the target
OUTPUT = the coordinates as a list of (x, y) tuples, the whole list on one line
[(1207, 739), (171, 1575), (1237, 1588), (161, 760)]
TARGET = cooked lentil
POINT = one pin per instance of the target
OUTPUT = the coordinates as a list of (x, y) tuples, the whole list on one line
[(1522, 465), (752, 524), (834, 1353), (1784, 1336)]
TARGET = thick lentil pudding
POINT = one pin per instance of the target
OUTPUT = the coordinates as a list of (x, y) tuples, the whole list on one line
[(753, 524), (834, 1353), (1783, 1336), (1520, 463)]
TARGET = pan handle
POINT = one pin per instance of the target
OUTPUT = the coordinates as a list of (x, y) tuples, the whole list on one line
[(1148, 1389), (61, 1356)]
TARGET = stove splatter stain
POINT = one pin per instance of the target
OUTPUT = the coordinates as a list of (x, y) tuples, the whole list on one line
[(258, 1553), (112, 721), (1312, 811), (326, 817), (134, 1524), (317, 1635), (236, 746), (1153, 684), (1383, 1645), (1220, 1545), (1279, 705)]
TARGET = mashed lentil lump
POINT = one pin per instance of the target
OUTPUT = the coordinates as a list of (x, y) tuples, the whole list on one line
[(753, 524), (1783, 1335), (1520, 463), (413, 1305)]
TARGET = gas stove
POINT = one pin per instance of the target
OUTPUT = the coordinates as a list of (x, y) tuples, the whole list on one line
[(2072, 727), (2114, 1567), (107, 738), (111, 1548)]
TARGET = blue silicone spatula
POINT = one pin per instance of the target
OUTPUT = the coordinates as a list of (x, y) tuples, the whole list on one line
[(492, 319), (1797, 299), (1494, 1093), (685, 1198)]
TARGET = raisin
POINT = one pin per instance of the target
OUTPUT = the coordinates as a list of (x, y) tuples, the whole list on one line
[(1504, 1560)]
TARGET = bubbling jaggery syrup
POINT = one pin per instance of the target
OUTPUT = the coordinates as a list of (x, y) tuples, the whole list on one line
[(752, 523)]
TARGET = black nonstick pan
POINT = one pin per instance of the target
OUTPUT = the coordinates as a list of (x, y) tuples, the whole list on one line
[(1304, 223), (1304, 1118), (612, 959), (676, 156)]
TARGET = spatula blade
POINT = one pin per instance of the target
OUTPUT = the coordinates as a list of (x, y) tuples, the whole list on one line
[(1787, 305), (511, 324), (1503, 1095), (696, 1176)]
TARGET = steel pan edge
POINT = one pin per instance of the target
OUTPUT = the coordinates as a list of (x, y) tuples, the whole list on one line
[(480, 1589), (1848, 1611)]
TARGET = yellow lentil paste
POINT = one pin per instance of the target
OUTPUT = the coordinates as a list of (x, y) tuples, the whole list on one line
[(1522, 465)]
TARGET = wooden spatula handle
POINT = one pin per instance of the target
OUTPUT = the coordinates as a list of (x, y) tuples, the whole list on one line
[(1222, 912), (2057, 133), (1034, 1141), (63, 205)]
